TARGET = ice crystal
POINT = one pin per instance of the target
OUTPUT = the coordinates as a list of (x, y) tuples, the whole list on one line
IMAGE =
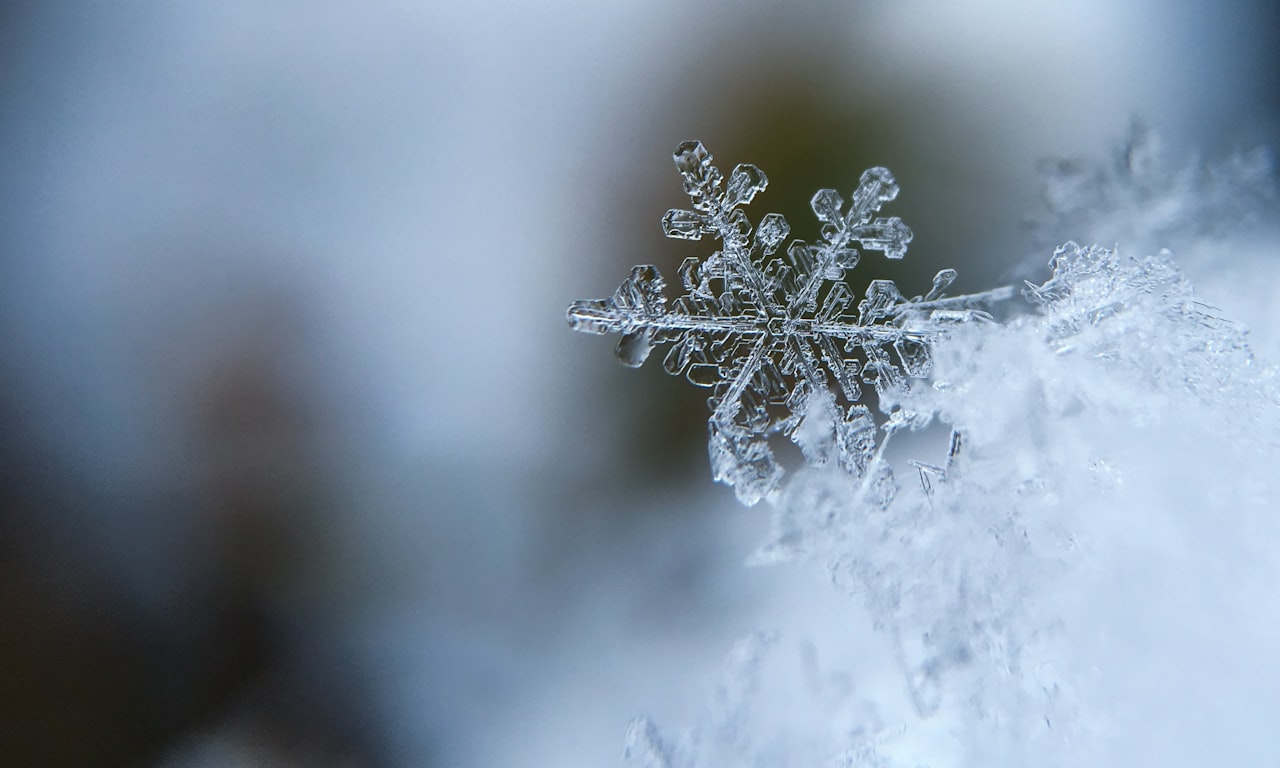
[(776, 334), (1142, 315), (1072, 423), (1092, 435)]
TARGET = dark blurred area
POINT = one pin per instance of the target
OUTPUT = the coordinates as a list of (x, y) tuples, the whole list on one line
[(299, 464)]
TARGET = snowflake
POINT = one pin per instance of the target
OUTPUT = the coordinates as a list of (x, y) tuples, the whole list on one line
[(770, 334)]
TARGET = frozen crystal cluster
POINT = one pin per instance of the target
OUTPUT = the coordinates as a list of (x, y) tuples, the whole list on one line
[(777, 334), (1158, 319), (1104, 502)]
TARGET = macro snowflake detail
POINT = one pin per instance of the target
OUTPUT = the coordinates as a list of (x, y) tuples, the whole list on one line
[(777, 336), (1110, 435)]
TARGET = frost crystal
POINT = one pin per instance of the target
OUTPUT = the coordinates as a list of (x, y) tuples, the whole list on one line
[(772, 332), (1142, 315), (1110, 477)]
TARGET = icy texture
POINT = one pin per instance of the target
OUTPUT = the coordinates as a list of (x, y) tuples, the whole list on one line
[(1178, 338), (989, 580), (1220, 215), (776, 334), (1050, 592)]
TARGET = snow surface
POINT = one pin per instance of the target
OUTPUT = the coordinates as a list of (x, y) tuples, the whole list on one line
[(1054, 591)]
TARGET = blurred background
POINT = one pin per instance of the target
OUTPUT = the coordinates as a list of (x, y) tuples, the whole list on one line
[(299, 462)]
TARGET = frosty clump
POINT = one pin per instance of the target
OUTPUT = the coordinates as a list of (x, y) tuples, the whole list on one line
[(1087, 565), (776, 334)]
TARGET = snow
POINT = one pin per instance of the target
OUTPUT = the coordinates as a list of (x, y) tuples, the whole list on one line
[(1048, 594)]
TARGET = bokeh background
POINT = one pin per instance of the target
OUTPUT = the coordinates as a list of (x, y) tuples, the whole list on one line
[(299, 462)]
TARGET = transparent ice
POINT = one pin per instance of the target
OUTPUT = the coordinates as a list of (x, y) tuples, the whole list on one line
[(776, 334), (1084, 573)]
